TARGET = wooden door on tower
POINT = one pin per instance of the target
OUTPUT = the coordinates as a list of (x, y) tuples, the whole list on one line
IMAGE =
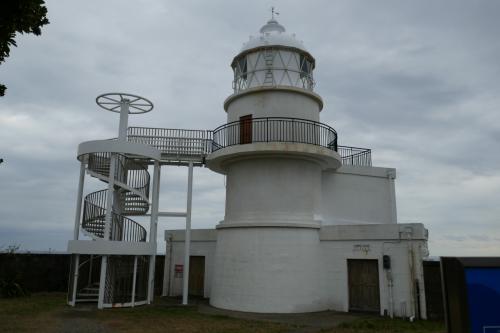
[(364, 288), (246, 129), (196, 276)]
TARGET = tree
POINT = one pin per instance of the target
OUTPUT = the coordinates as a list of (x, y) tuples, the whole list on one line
[(23, 16)]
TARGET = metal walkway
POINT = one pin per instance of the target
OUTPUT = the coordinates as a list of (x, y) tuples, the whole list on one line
[(177, 146), (185, 146)]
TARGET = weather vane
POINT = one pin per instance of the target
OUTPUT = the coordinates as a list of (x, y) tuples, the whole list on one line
[(273, 12)]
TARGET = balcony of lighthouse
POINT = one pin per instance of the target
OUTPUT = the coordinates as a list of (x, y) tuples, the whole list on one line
[(184, 146), (276, 136)]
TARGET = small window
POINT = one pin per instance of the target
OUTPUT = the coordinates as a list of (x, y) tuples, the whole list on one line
[(241, 68), (305, 66)]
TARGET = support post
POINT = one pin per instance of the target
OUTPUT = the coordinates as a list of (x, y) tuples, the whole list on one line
[(391, 174), (153, 229), (109, 199), (91, 264), (124, 108), (134, 279), (75, 279), (187, 238), (79, 201), (102, 282), (166, 267)]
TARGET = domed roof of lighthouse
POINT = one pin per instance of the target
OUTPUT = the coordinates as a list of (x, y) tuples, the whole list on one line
[(273, 34)]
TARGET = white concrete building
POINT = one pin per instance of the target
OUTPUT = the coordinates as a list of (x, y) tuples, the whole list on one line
[(309, 225)]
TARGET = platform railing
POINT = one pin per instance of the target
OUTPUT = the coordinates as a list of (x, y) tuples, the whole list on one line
[(355, 156), (274, 129), (181, 142)]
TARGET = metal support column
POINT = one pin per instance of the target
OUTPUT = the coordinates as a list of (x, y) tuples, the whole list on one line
[(166, 268), (124, 109), (75, 279), (107, 229), (187, 238), (102, 282), (79, 201), (153, 229), (134, 280), (109, 199), (392, 192)]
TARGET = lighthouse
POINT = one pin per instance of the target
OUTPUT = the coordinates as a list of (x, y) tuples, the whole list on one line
[(309, 224), (272, 150)]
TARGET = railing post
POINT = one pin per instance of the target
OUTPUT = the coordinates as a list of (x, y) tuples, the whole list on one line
[(267, 129)]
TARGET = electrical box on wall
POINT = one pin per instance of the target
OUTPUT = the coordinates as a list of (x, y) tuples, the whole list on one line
[(386, 262)]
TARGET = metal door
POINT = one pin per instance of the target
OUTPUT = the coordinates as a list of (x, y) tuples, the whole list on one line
[(196, 275), (364, 292), (246, 129)]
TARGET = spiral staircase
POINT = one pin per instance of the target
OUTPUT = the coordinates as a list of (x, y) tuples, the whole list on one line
[(115, 266), (131, 198), (131, 181)]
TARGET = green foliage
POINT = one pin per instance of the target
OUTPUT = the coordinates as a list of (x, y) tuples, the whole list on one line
[(19, 16), (10, 289)]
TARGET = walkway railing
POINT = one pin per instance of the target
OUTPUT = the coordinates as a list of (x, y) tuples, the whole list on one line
[(274, 129), (200, 143), (173, 141), (355, 156)]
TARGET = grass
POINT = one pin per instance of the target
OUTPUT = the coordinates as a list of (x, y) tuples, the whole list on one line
[(43, 313), (386, 325)]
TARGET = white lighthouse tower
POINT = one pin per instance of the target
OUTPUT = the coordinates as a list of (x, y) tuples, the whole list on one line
[(272, 150)]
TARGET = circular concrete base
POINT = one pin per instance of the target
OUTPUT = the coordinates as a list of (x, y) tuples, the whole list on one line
[(267, 270)]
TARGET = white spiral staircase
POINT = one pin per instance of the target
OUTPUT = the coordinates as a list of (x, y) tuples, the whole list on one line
[(116, 266), (131, 180)]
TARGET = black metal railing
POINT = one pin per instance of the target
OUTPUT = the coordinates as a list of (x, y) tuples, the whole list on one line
[(173, 141), (135, 175), (274, 129), (126, 230), (355, 156), (135, 202), (94, 220), (271, 129), (94, 213)]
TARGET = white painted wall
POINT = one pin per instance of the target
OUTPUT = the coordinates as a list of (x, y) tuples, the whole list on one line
[(274, 103), (358, 195), (290, 270), (339, 243), (272, 190), (203, 242), (267, 270)]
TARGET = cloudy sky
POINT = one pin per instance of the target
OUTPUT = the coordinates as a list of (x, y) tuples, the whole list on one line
[(416, 81)]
